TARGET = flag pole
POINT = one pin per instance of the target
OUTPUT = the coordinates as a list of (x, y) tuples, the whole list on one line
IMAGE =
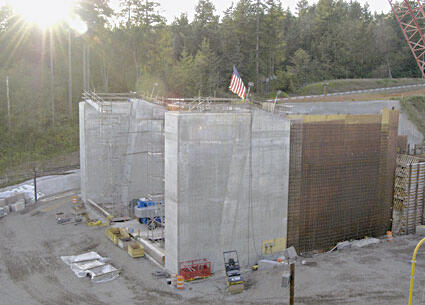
[(250, 84)]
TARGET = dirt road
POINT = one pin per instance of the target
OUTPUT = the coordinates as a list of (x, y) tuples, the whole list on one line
[(31, 271)]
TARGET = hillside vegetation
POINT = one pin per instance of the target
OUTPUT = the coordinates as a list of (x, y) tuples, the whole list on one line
[(25, 149), (134, 48), (414, 106), (344, 85)]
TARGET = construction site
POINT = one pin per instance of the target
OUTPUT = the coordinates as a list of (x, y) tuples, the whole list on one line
[(241, 175), (220, 200), (204, 200)]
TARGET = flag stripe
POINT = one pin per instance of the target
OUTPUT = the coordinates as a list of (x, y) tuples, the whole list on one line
[(241, 88), (243, 92), (236, 84), (232, 81)]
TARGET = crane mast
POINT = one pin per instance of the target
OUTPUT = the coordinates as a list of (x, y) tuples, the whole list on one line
[(410, 15)]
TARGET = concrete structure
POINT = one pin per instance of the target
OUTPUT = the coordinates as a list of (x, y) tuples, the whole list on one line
[(235, 177), (405, 127), (121, 151), (226, 176)]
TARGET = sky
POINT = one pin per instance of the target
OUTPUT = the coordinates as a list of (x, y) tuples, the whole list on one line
[(173, 8)]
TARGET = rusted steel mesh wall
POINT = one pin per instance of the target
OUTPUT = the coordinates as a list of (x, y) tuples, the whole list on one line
[(341, 188), (294, 188)]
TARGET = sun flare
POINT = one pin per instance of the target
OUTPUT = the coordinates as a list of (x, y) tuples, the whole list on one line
[(45, 13)]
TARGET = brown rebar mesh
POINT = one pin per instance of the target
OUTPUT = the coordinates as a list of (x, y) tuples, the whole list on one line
[(341, 184)]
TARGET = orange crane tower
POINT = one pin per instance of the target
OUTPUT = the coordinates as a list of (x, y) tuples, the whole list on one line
[(410, 15)]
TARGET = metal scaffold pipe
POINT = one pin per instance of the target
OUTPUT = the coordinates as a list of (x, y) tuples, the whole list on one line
[(412, 276)]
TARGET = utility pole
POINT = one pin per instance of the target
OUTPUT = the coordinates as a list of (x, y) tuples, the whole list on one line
[(35, 184), (250, 85), (52, 93), (69, 74), (257, 46), (288, 279), (88, 67), (292, 284), (8, 104), (84, 68)]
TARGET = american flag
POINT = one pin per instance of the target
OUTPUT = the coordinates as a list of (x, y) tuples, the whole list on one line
[(236, 84)]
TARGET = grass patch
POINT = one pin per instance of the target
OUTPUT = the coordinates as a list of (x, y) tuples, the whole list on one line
[(343, 85), (414, 106), (25, 148)]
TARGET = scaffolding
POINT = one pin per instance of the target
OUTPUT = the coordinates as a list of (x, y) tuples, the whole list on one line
[(408, 199), (106, 125), (109, 147), (155, 160), (416, 149), (155, 176)]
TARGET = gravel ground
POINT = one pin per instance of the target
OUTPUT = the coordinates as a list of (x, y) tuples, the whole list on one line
[(31, 271)]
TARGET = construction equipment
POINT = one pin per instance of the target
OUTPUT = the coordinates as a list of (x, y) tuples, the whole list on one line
[(234, 279), (195, 269), (96, 222), (150, 213), (410, 15)]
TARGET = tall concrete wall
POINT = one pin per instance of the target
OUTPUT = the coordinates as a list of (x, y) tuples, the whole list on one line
[(144, 160), (121, 151), (226, 180), (103, 139)]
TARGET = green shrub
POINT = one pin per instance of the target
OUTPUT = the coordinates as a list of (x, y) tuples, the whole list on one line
[(36, 144)]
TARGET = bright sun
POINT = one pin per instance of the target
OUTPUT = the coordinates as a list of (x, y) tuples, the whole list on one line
[(45, 13)]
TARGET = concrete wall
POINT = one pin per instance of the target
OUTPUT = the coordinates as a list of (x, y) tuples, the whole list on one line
[(226, 180), (103, 139), (405, 126), (119, 150), (143, 163)]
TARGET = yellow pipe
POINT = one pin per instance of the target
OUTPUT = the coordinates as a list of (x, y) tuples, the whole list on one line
[(412, 276)]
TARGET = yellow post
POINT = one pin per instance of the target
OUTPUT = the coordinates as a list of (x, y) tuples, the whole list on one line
[(412, 276)]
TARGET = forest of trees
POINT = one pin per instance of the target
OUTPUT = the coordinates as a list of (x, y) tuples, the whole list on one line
[(135, 47)]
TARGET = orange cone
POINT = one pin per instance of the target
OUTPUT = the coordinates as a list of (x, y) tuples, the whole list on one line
[(180, 282), (389, 236)]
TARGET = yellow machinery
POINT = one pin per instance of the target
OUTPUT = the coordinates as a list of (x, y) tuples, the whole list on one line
[(97, 222), (234, 279)]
